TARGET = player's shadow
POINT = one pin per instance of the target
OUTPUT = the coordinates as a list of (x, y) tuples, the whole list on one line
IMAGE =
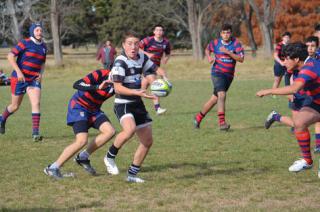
[(81, 206)]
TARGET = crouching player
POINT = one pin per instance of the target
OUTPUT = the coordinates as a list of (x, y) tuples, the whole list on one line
[(126, 74), (83, 113), (308, 79), (4, 80), (299, 98)]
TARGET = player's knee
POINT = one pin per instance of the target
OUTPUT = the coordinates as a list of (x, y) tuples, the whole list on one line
[(14, 107), (221, 95), (127, 134), (148, 143), (299, 125), (81, 142)]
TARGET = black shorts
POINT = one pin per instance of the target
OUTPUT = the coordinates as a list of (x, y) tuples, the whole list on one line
[(314, 106), (279, 70), (220, 83), (83, 126), (287, 77), (136, 110)]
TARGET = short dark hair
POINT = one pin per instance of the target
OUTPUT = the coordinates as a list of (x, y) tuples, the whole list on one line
[(286, 34), (313, 39), (130, 34), (226, 27), (317, 27), (295, 50), (158, 25)]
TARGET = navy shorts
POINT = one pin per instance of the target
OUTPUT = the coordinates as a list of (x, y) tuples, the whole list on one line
[(220, 83), (287, 77), (136, 110), (278, 69), (20, 88), (82, 119)]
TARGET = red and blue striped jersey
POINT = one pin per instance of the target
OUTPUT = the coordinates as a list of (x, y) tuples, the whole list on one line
[(150, 45), (309, 75), (88, 94), (224, 64), (278, 50), (30, 58)]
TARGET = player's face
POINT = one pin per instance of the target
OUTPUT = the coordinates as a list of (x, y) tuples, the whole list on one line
[(131, 47), (286, 39), (225, 35), (158, 32), (312, 47), (37, 33), (291, 64)]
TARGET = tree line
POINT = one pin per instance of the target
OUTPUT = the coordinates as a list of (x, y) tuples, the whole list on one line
[(188, 23)]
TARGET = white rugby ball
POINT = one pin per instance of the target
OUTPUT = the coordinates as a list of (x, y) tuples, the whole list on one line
[(160, 88)]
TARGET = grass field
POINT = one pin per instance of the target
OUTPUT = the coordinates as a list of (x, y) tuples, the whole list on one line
[(245, 169)]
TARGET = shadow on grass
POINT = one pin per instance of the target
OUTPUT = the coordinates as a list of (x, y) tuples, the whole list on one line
[(85, 206)]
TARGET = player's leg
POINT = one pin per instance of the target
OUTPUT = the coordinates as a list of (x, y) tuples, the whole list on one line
[(128, 124), (145, 137), (81, 132), (278, 73), (106, 133), (317, 135), (156, 102), (34, 93), (224, 84), (304, 118), (274, 116), (18, 90)]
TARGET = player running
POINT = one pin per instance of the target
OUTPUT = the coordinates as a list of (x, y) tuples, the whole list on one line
[(27, 59), (308, 79), (227, 51), (84, 112)]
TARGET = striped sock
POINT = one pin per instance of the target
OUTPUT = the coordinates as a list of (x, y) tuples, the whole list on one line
[(35, 123), (200, 116), (304, 143), (133, 170), (156, 106), (221, 117), (317, 140), (112, 152), (5, 114), (277, 117)]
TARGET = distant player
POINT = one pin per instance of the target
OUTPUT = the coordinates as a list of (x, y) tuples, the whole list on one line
[(129, 108), (158, 49), (279, 68), (317, 34), (299, 99), (84, 112), (227, 51), (27, 59), (308, 79), (4, 80)]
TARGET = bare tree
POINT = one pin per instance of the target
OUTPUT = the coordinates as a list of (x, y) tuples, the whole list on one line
[(266, 21), (55, 29)]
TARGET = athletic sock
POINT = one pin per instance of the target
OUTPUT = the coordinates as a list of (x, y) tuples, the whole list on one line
[(276, 117), (54, 166), (156, 107), (35, 123), (112, 152), (221, 117), (5, 114), (303, 138), (84, 155), (317, 140), (133, 170), (200, 116)]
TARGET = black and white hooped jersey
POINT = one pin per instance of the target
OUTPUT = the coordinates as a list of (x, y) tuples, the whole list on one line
[(129, 72)]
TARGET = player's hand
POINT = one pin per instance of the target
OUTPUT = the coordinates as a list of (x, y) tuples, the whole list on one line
[(20, 77), (39, 78), (263, 93), (143, 93), (104, 84), (224, 50), (167, 81), (290, 98), (210, 60)]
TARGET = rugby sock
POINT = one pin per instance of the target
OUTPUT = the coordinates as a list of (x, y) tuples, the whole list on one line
[(5, 114), (221, 117), (200, 116), (317, 140), (156, 106), (303, 139), (35, 123), (54, 166), (133, 170), (276, 117), (113, 151), (84, 155)]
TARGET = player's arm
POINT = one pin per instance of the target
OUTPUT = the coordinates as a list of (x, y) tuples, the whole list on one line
[(165, 58), (13, 63), (208, 55), (291, 89), (276, 56), (120, 89), (238, 57)]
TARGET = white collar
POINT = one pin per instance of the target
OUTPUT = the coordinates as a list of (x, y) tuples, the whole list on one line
[(224, 43), (36, 41)]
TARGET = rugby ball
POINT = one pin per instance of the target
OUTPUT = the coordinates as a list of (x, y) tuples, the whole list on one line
[(160, 88)]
